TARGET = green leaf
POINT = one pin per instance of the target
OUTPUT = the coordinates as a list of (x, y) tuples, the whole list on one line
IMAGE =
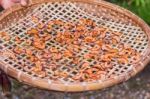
[(139, 7)]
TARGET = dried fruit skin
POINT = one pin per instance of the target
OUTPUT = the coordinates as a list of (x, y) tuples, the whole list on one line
[(82, 47), (18, 50)]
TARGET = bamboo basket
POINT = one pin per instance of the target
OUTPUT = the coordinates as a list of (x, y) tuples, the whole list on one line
[(16, 20)]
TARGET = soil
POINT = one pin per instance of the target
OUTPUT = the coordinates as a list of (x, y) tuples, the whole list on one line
[(137, 87)]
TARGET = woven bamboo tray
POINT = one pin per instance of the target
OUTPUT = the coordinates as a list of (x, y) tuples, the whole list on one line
[(17, 20)]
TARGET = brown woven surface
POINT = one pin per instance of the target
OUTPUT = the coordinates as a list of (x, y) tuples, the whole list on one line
[(17, 20)]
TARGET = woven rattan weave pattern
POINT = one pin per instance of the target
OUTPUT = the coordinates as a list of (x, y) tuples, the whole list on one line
[(71, 12)]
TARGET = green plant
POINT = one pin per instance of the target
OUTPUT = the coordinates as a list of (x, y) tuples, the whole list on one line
[(140, 7)]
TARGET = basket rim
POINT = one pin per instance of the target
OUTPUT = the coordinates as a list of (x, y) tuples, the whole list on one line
[(47, 84)]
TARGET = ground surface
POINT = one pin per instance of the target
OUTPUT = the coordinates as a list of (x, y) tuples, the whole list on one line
[(137, 87)]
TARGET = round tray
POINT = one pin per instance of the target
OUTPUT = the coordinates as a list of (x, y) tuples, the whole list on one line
[(17, 20)]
